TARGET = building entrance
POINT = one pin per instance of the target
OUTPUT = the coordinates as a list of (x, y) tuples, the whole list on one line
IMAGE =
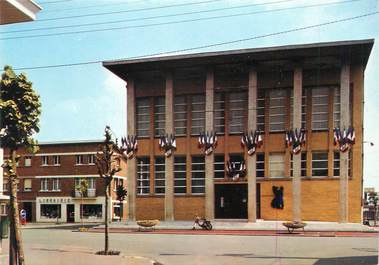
[(28, 207), (231, 201), (70, 213)]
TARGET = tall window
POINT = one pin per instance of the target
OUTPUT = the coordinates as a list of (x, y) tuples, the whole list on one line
[(277, 110), (260, 165), (219, 166), (180, 115), (320, 164), (27, 185), (336, 107), (237, 112), (28, 161), (45, 160), (143, 175), (57, 160), (56, 185), (320, 106), (159, 177), (159, 116), (143, 117), (261, 109), (79, 159), (198, 114), (219, 112), (276, 164), (44, 184), (198, 175), (303, 109), (180, 168), (303, 164)]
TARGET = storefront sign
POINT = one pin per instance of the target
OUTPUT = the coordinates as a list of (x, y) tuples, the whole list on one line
[(54, 200)]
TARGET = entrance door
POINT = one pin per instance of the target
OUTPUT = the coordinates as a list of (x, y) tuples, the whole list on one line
[(27, 206), (231, 201), (70, 213)]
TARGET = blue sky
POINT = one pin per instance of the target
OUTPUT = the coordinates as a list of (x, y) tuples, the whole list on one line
[(78, 101)]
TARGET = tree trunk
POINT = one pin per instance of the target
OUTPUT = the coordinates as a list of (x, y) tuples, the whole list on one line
[(16, 252), (106, 220)]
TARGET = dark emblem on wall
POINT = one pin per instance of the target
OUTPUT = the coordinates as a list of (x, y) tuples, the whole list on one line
[(129, 146), (236, 170), (296, 139), (167, 143), (208, 141), (252, 141), (344, 138), (277, 202)]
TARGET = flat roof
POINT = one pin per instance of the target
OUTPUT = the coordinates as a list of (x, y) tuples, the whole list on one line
[(356, 50)]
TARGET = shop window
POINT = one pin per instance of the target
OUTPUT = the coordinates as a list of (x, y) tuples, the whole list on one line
[(92, 211), (197, 114), (276, 165), (27, 185), (198, 175), (261, 110), (303, 109), (237, 112), (159, 116), (159, 176), (51, 211), (79, 159), (45, 160), (44, 184), (260, 165), (57, 160), (277, 109), (320, 108), (180, 169), (28, 161), (320, 164), (219, 113), (303, 164), (180, 115), (219, 166), (143, 117), (143, 175)]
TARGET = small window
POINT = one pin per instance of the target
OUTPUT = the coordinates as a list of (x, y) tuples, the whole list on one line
[(56, 185), (91, 159), (303, 164), (143, 175), (276, 164), (260, 162), (198, 175), (27, 185), (159, 116), (180, 169), (57, 160), (180, 115), (159, 178), (28, 161), (44, 184), (219, 166), (320, 164), (45, 160), (277, 110), (79, 159)]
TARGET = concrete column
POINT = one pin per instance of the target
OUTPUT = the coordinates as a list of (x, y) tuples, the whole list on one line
[(169, 168), (296, 179), (251, 160), (209, 159), (344, 157), (131, 165)]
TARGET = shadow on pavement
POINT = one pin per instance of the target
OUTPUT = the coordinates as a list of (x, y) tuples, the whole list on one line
[(357, 260)]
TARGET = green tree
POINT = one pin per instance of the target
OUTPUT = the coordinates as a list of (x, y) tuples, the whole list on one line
[(82, 188), (20, 109)]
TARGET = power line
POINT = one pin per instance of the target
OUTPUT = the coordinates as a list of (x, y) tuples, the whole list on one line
[(173, 22), (155, 17), (130, 11), (208, 45)]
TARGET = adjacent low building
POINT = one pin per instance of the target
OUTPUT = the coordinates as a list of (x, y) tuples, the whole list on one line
[(48, 182), (316, 87)]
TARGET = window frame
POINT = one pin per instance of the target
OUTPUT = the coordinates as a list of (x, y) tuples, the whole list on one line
[(44, 184), (143, 176), (201, 171), (158, 175)]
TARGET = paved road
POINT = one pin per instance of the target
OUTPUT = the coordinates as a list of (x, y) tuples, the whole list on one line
[(169, 249)]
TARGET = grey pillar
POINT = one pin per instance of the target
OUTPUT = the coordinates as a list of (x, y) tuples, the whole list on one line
[(131, 165), (251, 160), (344, 157), (169, 168), (209, 159), (296, 179)]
